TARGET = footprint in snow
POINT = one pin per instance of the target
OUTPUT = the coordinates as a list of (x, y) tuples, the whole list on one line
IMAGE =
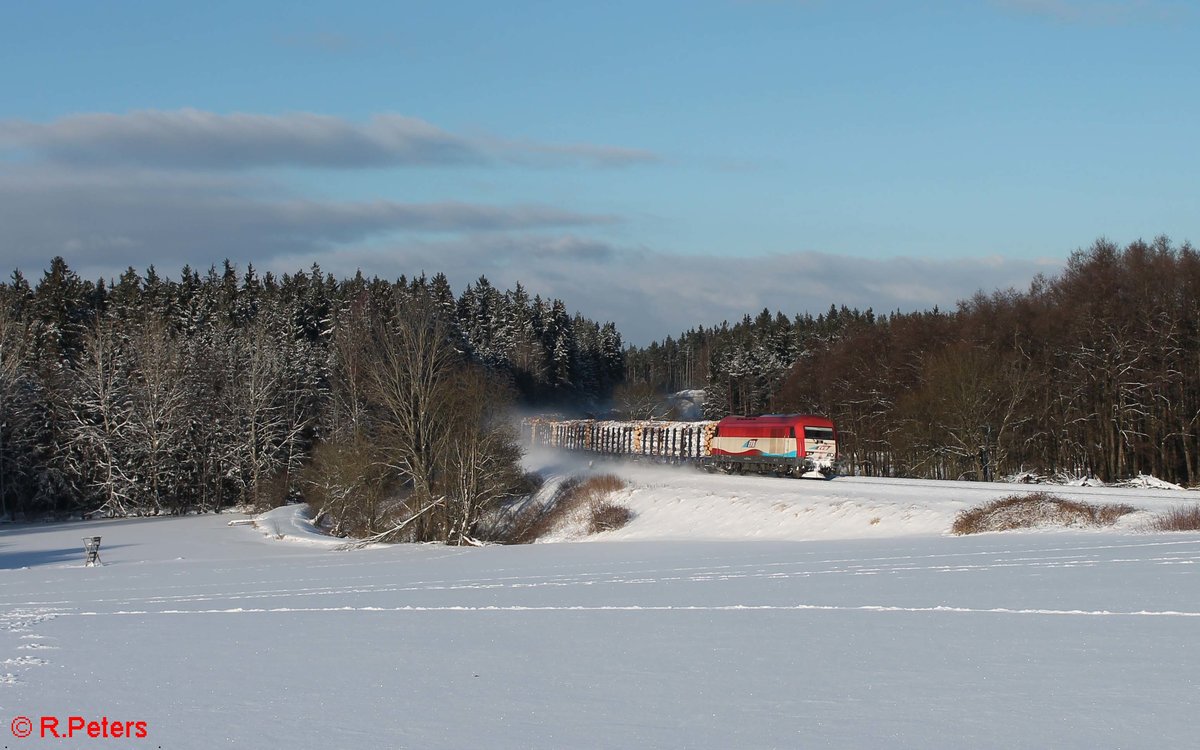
[(24, 661)]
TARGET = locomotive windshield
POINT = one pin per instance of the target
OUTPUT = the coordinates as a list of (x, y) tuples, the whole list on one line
[(818, 433)]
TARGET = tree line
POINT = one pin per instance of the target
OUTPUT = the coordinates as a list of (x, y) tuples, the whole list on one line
[(382, 401), (1093, 371), (385, 403)]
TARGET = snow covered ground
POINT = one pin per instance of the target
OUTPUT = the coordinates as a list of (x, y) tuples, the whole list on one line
[(684, 503), (732, 612)]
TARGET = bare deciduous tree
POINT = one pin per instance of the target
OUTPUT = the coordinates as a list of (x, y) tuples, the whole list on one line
[(101, 414), (440, 452)]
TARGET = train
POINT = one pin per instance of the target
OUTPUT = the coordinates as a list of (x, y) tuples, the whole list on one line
[(795, 444), (800, 445)]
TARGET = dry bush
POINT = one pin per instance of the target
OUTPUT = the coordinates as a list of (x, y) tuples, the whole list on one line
[(602, 484), (608, 516), (533, 520), (349, 491), (270, 492), (1034, 510), (574, 496), (1184, 518)]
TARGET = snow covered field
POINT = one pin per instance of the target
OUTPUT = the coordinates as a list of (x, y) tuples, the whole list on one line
[(732, 612)]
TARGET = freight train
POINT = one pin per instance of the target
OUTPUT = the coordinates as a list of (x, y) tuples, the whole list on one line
[(785, 444)]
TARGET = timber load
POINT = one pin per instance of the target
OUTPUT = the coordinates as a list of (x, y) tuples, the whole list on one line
[(800, 445)]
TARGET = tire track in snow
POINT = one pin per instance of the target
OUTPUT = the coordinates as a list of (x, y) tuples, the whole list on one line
[(875, 608), (971, 562)]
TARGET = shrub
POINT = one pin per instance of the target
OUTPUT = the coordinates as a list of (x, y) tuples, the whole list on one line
[(1034, 510), (1184, 518), (349, 491), (270, 492), (602, 484), (575, 497), (608, 516)]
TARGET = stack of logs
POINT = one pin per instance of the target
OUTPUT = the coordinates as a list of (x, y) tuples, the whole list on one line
[(677, 441)]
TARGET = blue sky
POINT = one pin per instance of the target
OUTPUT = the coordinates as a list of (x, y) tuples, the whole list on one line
[(660, 164)]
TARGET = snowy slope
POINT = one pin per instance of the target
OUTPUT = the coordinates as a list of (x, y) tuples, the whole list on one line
[(682, 502), (888, 634)]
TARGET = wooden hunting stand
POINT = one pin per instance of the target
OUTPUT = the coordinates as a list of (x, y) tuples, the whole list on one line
[(91, 548)]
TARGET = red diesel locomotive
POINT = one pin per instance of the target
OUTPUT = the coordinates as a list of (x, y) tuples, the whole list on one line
[(795, 444)]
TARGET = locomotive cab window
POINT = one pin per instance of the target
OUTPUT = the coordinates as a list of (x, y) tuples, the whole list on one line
[(818, 433)]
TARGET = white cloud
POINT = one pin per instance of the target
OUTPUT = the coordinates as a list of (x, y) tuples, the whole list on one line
[(651, 295), (648, 294), (169, 188), (101, 218), (196, 139)]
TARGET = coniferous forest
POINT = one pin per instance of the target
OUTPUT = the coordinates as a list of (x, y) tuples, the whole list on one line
[(387, 404), (382, 402)]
